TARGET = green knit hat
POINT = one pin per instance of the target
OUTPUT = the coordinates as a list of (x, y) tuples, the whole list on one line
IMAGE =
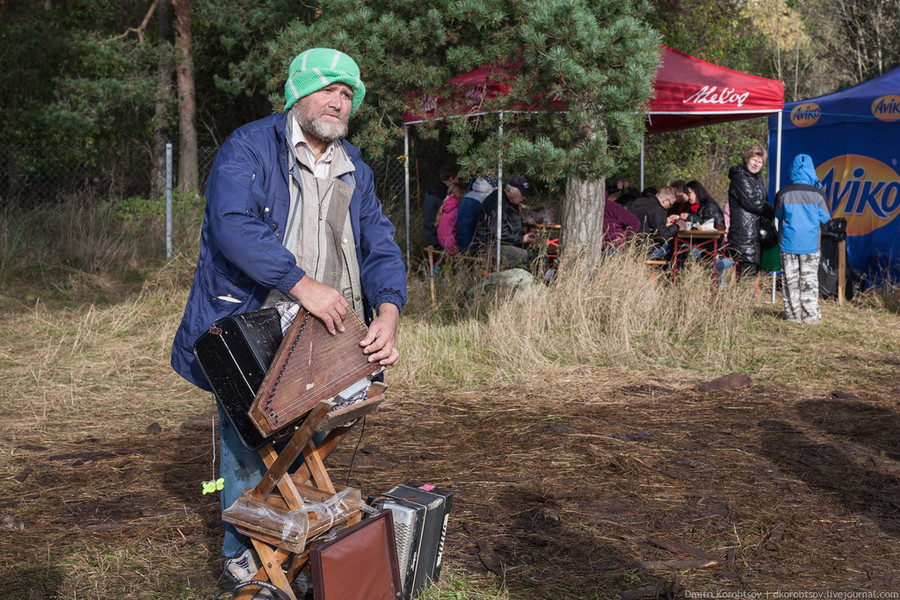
[(319, 67)]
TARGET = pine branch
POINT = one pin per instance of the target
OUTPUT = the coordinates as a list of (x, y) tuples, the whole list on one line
[(138, 30)]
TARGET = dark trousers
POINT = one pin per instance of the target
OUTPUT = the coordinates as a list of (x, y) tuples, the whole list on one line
[(746, 269)]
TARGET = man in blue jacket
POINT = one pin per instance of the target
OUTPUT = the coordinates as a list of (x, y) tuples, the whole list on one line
[(291, 214), (800, 208)]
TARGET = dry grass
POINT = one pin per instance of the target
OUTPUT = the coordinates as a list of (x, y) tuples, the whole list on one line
[(566, 420), (615, 312)]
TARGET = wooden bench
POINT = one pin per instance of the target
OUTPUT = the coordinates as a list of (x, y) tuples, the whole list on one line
[(437, 257)]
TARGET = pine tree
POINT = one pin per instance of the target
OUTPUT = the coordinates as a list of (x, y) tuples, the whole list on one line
[(583, 71)]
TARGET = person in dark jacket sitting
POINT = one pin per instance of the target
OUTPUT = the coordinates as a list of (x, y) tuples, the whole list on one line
[(702, 209), (467, 215), (514, 241), (619, 226), (748, 202), (655, 223)]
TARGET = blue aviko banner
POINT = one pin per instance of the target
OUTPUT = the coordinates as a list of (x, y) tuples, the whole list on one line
[(853, 137)]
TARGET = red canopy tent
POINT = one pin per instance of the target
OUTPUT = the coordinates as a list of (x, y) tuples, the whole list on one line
[(688, 92), (465, 95)]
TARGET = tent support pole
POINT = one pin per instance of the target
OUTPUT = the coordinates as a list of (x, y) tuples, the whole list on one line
[(777, 184), (778, 154), (642, 161), (406, 181), (500, 190)]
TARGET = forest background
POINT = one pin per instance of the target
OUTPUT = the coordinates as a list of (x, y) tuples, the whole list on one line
[(93, 90), (586, 450)]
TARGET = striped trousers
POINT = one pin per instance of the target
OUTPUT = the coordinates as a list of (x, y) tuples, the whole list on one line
[(801, 287)]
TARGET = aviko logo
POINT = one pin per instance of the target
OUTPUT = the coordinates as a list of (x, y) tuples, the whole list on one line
[(886, 108), (861, 189), (804, 115)]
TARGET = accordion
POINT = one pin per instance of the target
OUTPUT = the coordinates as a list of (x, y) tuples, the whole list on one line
[(420, 527), (409, 521)]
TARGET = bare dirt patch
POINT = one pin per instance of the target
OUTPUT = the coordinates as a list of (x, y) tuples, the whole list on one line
[(589, 486)]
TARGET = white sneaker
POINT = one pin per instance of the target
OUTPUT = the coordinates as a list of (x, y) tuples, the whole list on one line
[(243, 567)]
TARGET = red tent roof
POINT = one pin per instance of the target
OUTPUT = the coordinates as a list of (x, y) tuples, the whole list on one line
[(688, 92), (464, 94), (691, 92)]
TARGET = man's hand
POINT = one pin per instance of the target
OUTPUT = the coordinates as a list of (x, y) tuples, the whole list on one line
[(379, 341), (528, 238), (322, 301)]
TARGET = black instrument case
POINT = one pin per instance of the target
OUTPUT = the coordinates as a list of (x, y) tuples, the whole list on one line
[(234, 355)]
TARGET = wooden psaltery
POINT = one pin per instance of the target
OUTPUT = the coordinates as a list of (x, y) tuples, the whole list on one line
[(311, 365)]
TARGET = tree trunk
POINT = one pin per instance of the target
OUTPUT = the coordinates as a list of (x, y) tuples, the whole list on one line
[(188, 177), (163, 100), (582, 216)]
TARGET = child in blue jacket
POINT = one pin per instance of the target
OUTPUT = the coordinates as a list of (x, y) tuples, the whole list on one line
[(800, 208)]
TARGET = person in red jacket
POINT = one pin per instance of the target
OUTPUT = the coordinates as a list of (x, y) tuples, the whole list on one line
[(619, 226)]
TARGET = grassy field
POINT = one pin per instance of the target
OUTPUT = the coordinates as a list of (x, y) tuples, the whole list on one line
[(573, 422)]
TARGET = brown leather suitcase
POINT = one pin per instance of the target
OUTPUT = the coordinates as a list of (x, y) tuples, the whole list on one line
[(359, 564)]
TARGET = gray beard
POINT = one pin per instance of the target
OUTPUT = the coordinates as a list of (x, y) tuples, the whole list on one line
[(319, 129)]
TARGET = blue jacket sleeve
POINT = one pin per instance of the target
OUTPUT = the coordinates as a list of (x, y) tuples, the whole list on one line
[(466, 221), (245, 222), (824, 215)]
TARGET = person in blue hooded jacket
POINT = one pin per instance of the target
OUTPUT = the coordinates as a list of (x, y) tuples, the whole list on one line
[(292, 215), (800, 208)]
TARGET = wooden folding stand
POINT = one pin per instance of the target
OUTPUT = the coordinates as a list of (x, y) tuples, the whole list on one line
[(273, 505)]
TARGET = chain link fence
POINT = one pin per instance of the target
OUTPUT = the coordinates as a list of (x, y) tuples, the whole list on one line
[(32, 175)]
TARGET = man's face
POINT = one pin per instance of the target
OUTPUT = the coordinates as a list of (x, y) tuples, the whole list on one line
[(324, 114), (515, 195), (666, 201)]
